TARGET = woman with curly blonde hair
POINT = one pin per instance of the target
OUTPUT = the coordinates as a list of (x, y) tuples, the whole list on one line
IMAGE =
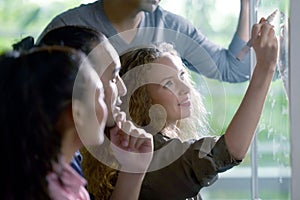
[(162, 99), (158, 83), (140, 102), (93, 168)]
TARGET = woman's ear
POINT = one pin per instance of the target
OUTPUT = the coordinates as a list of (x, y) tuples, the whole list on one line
[(77, 113)]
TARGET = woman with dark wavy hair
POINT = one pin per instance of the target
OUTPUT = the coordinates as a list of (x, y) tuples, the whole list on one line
[(124, 183), (40, 121)]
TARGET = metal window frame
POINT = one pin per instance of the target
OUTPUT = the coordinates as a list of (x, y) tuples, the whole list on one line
[(294, 98)]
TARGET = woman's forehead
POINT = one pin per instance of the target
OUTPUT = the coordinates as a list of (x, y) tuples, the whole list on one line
[(166, 65), (110, 49), (104, 58), (170, 60), (91, 74), (158, 72)]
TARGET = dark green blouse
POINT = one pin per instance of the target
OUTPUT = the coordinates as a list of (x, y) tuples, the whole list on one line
[(180, 169)]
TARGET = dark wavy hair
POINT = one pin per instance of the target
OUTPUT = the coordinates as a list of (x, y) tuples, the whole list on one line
[(101, 178), (78, 37), (35, 87)]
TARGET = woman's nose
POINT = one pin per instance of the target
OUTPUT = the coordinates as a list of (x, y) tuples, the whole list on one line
[(121, 87), (184, 88)]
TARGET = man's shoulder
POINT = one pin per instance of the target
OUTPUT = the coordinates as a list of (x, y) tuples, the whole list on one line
[(82, 8), (170, 18)]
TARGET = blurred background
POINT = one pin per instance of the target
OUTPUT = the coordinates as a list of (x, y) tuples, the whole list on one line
[(217, 19)]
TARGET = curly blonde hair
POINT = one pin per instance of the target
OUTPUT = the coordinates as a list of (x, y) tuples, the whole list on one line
[(101, 178), (137, 102)]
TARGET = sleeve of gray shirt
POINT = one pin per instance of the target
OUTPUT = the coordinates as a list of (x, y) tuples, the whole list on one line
[(196, 50), (83, 15), (205, 57)]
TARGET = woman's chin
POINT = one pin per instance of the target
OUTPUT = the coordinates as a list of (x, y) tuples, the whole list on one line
[(185, 115)]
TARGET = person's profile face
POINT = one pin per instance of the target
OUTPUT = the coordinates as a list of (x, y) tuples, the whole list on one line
[(91, 110), (100, 108), (107, 63), (168, 87), (114, 88)]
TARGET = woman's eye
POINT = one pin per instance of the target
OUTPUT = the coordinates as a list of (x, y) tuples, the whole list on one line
[(182, 76), (168, 84)]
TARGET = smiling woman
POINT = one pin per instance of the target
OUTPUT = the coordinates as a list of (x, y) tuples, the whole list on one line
[(156, 75), (217, 19), (168, 97), (171, 92), (159, 84)]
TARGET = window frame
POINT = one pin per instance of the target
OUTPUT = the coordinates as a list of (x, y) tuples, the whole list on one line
[(294, 81)]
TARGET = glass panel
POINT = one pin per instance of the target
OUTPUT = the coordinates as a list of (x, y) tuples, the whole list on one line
[(217, 19), (273, 131), (28, 17)]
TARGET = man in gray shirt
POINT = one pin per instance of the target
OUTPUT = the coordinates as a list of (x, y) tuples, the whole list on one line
[(134, 23)]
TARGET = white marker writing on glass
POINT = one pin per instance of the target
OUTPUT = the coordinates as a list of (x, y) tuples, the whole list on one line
[(247, 47)]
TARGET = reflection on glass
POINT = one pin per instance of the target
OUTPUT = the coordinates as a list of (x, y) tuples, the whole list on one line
[(283, 54), (216, 19), (273, 131)]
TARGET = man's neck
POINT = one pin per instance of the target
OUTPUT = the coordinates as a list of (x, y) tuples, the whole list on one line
[(122, 15)]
